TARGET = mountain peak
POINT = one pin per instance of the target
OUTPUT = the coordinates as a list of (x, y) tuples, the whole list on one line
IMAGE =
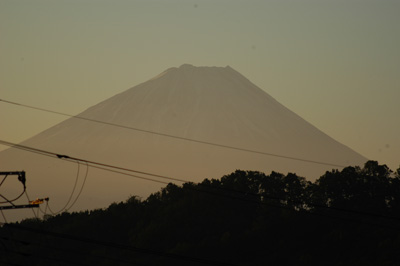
[(186, 66), (189, 66)]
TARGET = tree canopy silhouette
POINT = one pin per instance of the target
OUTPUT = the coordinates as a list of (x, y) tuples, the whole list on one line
[(347, 217)]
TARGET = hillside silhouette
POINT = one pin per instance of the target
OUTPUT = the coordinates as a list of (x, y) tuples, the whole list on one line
[(347, 217)]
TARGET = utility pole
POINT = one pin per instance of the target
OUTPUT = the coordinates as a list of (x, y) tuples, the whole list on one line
[(22, 178)]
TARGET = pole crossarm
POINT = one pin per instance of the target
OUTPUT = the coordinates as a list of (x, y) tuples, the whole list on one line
[(21, 176), (19, 206), (12, 173)]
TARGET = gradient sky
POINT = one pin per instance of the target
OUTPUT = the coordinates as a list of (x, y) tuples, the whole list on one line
[(335, 63)]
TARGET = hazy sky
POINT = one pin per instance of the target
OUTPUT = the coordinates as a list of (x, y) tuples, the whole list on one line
[(335, 63)]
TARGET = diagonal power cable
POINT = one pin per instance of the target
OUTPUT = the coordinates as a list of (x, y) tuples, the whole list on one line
[(174, 136), (123, 171)]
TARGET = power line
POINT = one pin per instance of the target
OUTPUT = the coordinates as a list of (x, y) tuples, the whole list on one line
[(51, 155), (91, 163), (27, 255), (73, 190), (118, 246), (44, 246), (119, 170), (29, 200), (4, 217), (21, 178), (174, 136), (81, 189)]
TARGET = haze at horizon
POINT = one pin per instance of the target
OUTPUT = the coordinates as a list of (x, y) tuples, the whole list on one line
[(335, 63)]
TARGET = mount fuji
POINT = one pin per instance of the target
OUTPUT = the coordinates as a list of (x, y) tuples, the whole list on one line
[(181, 105)]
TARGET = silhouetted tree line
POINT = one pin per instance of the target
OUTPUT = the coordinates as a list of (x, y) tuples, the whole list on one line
[(347, 217)]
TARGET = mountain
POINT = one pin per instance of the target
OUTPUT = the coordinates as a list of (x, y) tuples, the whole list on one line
[(209, 104)]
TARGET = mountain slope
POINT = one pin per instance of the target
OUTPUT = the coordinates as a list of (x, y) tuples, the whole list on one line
[(211, 104)]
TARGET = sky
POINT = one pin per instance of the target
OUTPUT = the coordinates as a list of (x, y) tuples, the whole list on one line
[(335, 63)]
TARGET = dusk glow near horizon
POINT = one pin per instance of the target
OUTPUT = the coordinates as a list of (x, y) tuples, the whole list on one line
[(334, 63)]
